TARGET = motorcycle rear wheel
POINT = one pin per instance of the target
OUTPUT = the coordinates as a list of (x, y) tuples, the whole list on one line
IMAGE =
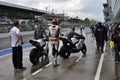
[(64, 52), (34, 58)]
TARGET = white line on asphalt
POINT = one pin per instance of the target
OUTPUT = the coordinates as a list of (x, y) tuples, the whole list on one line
[(97, 76), (49, 64), (104, 47), (79, 58), (36, 72)]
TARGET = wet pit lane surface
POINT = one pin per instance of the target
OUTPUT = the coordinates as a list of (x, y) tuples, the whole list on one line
[(73, 68)]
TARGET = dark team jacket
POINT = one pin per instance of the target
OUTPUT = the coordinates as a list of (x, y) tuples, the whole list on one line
[(39, 33), (101, 32), (116, 37)]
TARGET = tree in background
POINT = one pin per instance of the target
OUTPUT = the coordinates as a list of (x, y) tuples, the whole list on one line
[(92, 21), (86, 21)]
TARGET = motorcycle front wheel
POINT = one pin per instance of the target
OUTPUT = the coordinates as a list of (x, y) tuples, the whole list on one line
[(84, 49)]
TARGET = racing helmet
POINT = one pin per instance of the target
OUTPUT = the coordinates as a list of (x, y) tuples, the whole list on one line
[(54, 21)]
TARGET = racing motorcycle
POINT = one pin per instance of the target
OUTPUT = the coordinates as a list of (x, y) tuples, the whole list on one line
[(41, 49), (66, 49)]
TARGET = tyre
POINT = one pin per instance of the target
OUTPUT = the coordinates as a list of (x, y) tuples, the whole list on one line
[(84, 49), (64, 52), (34, 58), (66, 55)]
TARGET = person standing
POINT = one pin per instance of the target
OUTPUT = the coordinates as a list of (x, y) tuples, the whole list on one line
[(92, 29), (116, 40), (39, 31), (54, 33), (101, 36), (16, 41)]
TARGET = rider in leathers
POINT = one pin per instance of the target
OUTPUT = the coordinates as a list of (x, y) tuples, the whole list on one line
[(54, 33)]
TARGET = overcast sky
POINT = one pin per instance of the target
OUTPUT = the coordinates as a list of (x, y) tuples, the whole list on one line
[(92, 9)]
